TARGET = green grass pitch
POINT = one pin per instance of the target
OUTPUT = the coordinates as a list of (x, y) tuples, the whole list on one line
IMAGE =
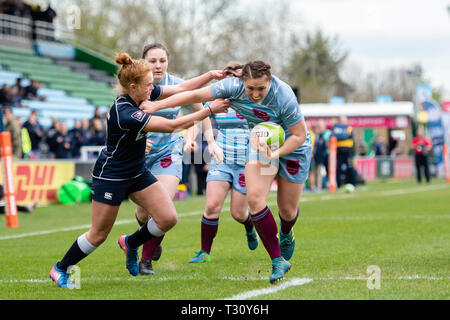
[(399, 226)]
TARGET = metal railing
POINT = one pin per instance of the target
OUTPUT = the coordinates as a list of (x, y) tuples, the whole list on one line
[(25, 30), (15, 28)]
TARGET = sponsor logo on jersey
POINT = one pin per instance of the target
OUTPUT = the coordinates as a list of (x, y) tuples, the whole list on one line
[(138, 115)]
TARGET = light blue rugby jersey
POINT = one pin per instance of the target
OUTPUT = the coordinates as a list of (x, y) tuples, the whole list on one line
[(233, 136), (163, 140), (280, 105)]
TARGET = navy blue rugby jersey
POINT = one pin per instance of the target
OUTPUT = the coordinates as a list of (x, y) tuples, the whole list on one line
[(124, 155)]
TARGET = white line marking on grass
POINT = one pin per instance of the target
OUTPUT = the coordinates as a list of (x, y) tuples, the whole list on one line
[(281, 286), (269, 203), (272, 289), (85, 226)]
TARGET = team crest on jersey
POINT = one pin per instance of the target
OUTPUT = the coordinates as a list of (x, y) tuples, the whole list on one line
[(242, 180), (138, 115), (166, 162), (261, 114), (292, 167)]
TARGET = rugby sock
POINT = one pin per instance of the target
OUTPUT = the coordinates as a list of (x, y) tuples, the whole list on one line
[(268, 232), (248, 224), (208, 233), (79, 250), (150, 246), (139, 221), (286, 226), (146, 232)]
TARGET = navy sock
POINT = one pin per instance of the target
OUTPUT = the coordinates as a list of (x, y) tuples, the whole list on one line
[(141, 236), (248, 223), (139, 221), (72, 257)]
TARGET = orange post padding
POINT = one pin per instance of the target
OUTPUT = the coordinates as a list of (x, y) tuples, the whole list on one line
[(332, 162), (12, 220), (446, 162)]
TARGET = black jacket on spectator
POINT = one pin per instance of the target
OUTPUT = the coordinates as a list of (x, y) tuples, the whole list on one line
[(35, 133)]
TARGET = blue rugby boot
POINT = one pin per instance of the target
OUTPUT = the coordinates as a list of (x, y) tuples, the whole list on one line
[(61, 277), (201, 256), (252, 239), (287, 244), (131, 254), (279, 268)]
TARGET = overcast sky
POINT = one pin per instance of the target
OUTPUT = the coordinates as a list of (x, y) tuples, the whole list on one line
[(380, 34)]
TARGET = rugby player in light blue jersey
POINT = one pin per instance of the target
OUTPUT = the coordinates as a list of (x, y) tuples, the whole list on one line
[(164, 159), (258, 97), (233, 139), (120, 170)]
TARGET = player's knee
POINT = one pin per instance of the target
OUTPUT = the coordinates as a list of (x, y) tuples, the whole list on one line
[(97, 237), (256, 202), (239, 215), (213, 208), (168, 222), (287, 211)]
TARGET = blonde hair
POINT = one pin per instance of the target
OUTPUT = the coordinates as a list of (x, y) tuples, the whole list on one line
[(131, 71)]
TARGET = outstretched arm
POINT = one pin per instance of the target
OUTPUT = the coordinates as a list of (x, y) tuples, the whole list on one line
[(161, 124), (192, 84), (180, 99)]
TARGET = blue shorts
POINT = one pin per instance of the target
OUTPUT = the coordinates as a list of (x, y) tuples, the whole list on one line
[(167, 161), (232, 173), (114, 192), (293, 167)]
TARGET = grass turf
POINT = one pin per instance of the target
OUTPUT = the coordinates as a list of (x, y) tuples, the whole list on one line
[(399, 226)]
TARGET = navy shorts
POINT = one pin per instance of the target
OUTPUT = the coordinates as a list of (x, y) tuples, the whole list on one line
[(114, 192)]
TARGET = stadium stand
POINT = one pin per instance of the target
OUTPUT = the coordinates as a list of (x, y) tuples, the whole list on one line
[(70, 92)]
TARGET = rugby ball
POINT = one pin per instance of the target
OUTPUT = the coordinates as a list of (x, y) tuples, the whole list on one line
[(269, 132), (349, 188)]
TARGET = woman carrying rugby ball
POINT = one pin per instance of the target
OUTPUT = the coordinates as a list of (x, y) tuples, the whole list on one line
[(259, 96)]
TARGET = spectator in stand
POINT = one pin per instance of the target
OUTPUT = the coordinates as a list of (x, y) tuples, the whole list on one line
[(31, 92), (16, 97), (320, 152), (76, 135), (312, 167), (361, 148), (88, 135), (97, 115), (51, 138), (5, 95), (35, 132), (345, 151), (99, 138), (380, 147), (13, 126), (394, 145), (63, 143), (11, 7), (19, 86), (49, 14), (421, 146)]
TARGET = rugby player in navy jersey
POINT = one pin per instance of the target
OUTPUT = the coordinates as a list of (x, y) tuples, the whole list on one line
[(164, 159), (258, 96), (120, 171)]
